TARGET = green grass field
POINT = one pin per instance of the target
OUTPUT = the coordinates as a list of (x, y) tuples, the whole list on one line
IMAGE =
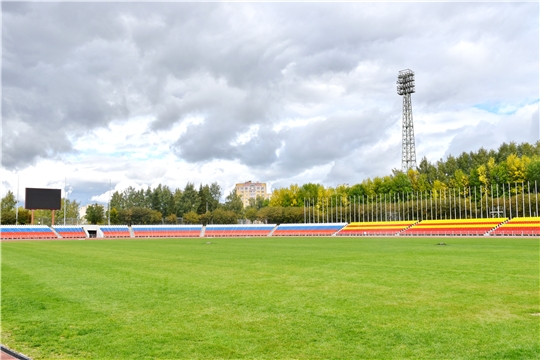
[(274, 298)]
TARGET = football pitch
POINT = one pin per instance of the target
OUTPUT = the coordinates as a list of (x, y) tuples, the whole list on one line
[(272, 298)]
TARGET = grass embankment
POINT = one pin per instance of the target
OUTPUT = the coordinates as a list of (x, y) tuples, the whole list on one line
[(272, 298)]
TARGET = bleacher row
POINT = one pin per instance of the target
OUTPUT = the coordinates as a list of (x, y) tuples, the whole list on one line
[(519, 226)]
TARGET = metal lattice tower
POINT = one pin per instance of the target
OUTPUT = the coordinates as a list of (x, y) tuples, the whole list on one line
[(405, 87)]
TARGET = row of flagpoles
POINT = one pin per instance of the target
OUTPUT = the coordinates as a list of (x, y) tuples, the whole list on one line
[(460, 203)]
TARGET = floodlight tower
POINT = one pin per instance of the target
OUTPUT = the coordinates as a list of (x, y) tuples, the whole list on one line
[(405, 87)]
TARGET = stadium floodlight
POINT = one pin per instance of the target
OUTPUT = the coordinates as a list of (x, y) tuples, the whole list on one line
[(405, 87)]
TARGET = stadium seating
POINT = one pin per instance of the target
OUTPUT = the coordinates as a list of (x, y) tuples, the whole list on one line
[(375, 228), (21, 232), (456, 227), (152, 231), (70, 231), (519, 226), (238, 230), (325, 229), (115, 231)]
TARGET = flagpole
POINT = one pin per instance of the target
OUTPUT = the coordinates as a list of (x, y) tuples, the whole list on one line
[(109, 204), (17, 206), (65, 199)]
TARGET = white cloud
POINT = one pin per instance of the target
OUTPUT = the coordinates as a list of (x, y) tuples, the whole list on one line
[(141, 94)]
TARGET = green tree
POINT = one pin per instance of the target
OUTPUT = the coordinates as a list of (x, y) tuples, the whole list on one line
[(474, 177), (189, 200), (308, 191), (480, 157), (258, 202), (8, 217), (459, 180), (529, 150), (429, 170), (177, 198), (287, 196), (25, 216), (357, 191), (7, 209), (223, 216), (8, 202), (139, 216), (234, 203), (70, 208), (212, 195), (207, 201), (95, 214), (485, 175), (115, 219), (401, 183), (118, 201), (11, 217), (438, 189), (191, 217), (251, 214), (369, 187), (135, 198), (517, 167), (124, 216), (413, 176), (464, 162), (215, 191), (271, 214), (161, 200), (423, 183), (293, 215), (145, 216), (171, 219), (205, 218), (378, 185), (279, 197), (386, 185), (499, 174), (505, 150), (448, 167), (533, 171)]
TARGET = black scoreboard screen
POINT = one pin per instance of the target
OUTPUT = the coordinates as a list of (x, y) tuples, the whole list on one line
[(50, 199)]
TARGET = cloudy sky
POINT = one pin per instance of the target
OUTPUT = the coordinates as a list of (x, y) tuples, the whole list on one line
[(117, 94)]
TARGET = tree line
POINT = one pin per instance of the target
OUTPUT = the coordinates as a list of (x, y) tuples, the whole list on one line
[(163, 205), (512, 170)]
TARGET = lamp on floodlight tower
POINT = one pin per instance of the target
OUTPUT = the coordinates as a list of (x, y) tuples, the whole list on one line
[(405, 87)]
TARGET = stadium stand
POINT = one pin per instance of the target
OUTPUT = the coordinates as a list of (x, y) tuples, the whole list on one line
[(519, 226), (375, 228), (70, 231), (324, 229), (21, 232), (239, 230), (150, 231), (456, 227), (115, 231)]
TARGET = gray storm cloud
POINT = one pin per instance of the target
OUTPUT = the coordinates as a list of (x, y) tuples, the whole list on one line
[(326, 71)]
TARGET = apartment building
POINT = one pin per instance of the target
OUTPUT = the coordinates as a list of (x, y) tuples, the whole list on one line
[(250, 190)]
